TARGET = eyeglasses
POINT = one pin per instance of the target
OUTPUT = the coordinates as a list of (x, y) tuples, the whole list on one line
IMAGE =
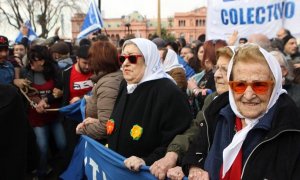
[(259, 87), (132, 58)]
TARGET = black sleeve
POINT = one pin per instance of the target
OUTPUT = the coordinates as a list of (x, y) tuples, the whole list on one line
[(25, 41)]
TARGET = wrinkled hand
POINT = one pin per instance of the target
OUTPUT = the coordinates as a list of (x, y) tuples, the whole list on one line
[(21, 83), (175, 173), (160, 167), (297, 65), (41, 106), (80, 129), (74, 99), (57, 93), (192, 84), (233, 38), (134, 163), (56, 31), (196, 173)]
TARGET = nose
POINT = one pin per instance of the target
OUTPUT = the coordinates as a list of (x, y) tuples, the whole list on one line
[(218, 73), (249, 93)]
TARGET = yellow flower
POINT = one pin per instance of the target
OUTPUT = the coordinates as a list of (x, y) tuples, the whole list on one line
[(136, 132)]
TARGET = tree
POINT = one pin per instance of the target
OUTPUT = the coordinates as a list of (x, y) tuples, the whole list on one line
[(43, 14)]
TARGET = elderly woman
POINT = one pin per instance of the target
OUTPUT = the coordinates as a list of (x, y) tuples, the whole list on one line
[(104, 63), (150, 109), (202, 84), (173, 68), (180, 144), (251, 137)]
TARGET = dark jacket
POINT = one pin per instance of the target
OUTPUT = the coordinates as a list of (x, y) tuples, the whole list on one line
[(160, 108), (13, 131), (180, 144), (66, 85), (276, 155)]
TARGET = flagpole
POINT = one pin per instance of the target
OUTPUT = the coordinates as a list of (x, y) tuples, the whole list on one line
[(158, 19), (99, 5)]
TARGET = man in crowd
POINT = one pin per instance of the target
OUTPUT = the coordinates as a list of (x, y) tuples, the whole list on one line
[(282, 33), (290, 49), (7, 73), (61, 53), (76, 84)]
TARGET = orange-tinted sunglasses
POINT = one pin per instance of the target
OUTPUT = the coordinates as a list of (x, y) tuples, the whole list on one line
[(259, 87)]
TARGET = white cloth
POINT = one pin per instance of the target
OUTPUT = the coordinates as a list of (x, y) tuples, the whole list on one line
[(154, 69), (231, 151), (171, 61)]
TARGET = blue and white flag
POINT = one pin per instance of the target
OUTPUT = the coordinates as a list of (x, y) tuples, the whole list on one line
[(92, 22), (31, 34), (75, 111), (94, 161)]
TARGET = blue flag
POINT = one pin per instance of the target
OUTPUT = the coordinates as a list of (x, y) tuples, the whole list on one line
[(31, 34), (92, 22), (99, 162), (75, 111), (95, 161)]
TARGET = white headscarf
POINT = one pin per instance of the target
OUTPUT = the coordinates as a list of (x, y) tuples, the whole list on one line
[(171, 61), (154, 69), (231, 151)]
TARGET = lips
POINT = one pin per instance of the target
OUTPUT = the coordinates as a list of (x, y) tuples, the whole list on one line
[(250, 104)]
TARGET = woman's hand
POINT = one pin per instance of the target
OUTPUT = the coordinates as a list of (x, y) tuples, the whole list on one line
[(41, 106), (297, 65), (57, 93), (175, 173), (21, 83), (196, 173), (192, 84), (134, 163), (74, 99), (160, 167), (80, 129)]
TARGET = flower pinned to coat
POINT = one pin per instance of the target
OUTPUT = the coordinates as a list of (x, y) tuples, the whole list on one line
[(110, 126), (136, 132)]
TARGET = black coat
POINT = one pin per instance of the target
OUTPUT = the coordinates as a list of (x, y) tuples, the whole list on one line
[(277, 155), (160, 108), (13, 132)]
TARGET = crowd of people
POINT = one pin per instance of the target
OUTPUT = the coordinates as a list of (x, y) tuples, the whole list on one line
[(214, 109)]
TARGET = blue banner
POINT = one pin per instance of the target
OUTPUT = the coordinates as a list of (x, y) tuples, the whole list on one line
[(75, 111), (95, 161)]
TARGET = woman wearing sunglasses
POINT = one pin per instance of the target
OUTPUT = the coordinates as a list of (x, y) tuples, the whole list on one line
[(150, 109), (257, 136)]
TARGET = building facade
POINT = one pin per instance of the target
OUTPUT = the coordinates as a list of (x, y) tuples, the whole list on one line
[(188, 25)]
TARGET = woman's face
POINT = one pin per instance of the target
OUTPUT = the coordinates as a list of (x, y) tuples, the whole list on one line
[(200, 53), (37, 65), (133, 72), (221, 74), (249, 103)]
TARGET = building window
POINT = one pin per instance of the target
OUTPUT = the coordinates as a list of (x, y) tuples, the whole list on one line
[(203, 22), (181, 23)]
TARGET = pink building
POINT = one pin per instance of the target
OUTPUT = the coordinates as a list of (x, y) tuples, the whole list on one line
[(184, 24)]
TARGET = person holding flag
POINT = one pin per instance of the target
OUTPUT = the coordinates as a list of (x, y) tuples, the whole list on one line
[(92, 22)]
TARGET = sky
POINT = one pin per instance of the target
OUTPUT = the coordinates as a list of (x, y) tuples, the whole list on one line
[(117, 8)]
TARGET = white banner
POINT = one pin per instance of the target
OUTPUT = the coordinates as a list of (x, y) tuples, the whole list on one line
[(251, 16)]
